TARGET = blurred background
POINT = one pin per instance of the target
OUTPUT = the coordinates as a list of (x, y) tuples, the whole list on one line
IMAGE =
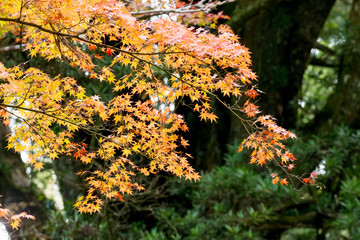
[(306, 55)]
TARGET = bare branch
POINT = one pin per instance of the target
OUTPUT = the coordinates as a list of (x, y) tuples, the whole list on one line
[(323, 63), (324, 49)]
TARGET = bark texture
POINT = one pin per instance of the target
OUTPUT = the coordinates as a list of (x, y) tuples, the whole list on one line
[(280, 37), (343, 106)]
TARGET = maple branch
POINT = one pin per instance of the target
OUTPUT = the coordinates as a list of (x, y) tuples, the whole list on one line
[(101, 45), (32, 126), (191, 8), (41, 112), (199, 88), (233, 112), (87, 129), (151, 13), (26, 94)]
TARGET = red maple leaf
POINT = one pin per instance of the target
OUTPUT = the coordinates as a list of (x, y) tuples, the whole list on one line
[(109, 52), (306, 180), (251, 93), (180, 4), (119, 196)]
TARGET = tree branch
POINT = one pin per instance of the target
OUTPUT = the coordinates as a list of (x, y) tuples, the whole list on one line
[(323, 63), (198, 7), (101, 45), (324, 49)]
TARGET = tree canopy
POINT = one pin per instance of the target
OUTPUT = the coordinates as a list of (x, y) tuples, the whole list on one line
[(136, 131), (103, 102)]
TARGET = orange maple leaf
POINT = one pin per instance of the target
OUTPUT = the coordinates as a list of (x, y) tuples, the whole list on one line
[(284, 181), (120, 197), (306, 180), (275, 180), (39, 165)]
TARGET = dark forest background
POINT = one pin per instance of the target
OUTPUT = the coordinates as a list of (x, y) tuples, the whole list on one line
[(306, 54)]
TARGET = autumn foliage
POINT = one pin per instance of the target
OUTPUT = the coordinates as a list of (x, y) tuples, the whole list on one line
[(14, 219), (197, 63)]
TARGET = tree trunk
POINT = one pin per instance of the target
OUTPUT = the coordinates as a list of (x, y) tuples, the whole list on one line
[(343, 105), (280, 36)]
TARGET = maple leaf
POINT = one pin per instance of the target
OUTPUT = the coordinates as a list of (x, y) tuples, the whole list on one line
[(306, 180), (53, 155), (275, 180), (109, 52), (250, 109), (251, 93), (290, 166), (196, 177), (15, 223), (38, 166), (126, 152), (180, 4), (120, 197), (197, 108), (313, 175), (4, 212), (16, 219), (284, 181), (144, 171)]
